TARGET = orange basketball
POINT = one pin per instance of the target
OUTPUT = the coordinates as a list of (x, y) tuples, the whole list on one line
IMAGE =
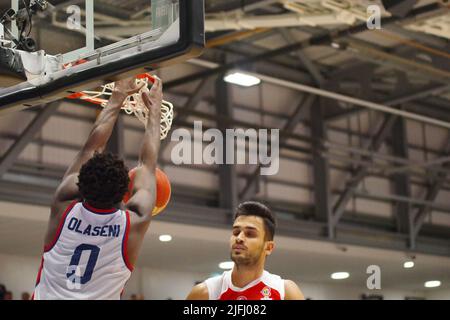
[(163, 190)]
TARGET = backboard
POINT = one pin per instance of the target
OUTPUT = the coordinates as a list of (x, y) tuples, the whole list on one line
[(81, 44)]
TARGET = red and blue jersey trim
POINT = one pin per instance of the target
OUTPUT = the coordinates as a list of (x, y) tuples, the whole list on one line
[(90, 208), (125, 243), (50, 245), (38, 278)]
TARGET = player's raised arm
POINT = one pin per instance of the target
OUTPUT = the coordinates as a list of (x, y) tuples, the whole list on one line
[(97, 140), (143, 196)]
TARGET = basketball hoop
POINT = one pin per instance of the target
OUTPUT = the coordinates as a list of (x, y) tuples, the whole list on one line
[(133, 104)]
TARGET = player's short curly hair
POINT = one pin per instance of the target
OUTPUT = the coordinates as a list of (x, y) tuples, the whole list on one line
[(254, 208), (103, 180)]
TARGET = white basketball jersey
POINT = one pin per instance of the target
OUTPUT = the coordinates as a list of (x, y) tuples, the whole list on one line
[(88, 256), (267, 287)]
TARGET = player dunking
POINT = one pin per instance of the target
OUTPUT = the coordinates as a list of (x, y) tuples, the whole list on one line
[(92, 242), (251, 242)]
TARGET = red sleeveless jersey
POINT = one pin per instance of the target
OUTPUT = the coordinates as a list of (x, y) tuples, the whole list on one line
[(267, 287)]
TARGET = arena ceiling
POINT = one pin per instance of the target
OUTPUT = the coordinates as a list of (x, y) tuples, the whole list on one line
[(405, 66)]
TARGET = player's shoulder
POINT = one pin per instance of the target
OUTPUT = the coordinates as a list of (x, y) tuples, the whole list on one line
[(267, 274), (290, 284), (199, 292), (208, 289), (59, 208), (292, 291), (272, 280)]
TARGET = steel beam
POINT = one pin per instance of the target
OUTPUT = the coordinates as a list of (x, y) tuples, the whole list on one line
[(35, 174), (377, 55), (302, 138), (309, 65), (228, 192), (436, 42), (401, 181), (340, 97), (431, 194), (425, 111), (242, 49), (322, 194), (194, 99), (361, 171), (418, 107), (324, 38), (238, 5), (178, 211), (353, 70), (394, 100), (28, 134), (289, 127), (360, 72)]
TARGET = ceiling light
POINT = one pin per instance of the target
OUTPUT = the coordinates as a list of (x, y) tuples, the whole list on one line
[(432, 284), (242, 79), (408, 265), (226, 265), (165, 238), (340, 275), (335, 45)]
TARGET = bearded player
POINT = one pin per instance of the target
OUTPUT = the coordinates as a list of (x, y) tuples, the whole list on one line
[(251, 242), (93, 239)]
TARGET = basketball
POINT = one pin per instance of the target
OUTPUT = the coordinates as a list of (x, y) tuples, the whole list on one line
[(163, 190)]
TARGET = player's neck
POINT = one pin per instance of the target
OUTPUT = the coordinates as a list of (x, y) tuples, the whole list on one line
[(243, 275), (100, 206)]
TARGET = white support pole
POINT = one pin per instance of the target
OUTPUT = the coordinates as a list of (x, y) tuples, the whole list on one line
[(2, 33), (14, 28)]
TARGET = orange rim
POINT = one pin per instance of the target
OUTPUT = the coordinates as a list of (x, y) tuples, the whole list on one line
[(99, 101)]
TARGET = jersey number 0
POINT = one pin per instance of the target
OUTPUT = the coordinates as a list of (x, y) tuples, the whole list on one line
[(73, 272)]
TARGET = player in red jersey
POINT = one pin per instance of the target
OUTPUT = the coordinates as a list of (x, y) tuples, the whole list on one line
[(251, 242)]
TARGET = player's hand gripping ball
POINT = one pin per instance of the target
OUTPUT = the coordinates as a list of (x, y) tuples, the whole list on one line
[(163, 190)]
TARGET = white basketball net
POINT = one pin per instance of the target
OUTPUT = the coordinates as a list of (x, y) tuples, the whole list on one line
[(134, 105)]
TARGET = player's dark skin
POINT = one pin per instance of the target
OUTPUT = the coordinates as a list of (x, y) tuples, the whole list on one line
[(143, 197)]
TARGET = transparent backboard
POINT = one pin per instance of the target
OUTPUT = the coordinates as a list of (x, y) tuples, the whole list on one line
[(77, 28), (80, 44)]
